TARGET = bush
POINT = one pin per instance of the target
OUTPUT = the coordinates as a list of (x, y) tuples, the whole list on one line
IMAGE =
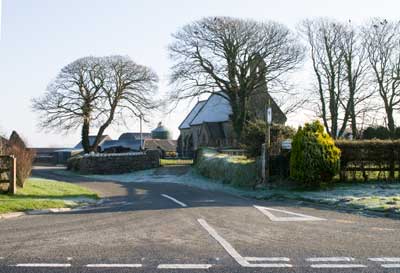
[(16, 146), (314, 157), (73, 163), (254, 137), (234, 170), (379, 132)]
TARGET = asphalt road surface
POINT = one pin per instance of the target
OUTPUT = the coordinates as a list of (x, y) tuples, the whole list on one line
[(147, 227)]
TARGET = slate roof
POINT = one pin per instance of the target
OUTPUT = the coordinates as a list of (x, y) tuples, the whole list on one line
[(134, 136), (133, 145), (92, 140), (192, 114), (216, 109), (165, 144)]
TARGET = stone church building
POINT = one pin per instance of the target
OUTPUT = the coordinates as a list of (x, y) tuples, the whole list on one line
[(208, 123)]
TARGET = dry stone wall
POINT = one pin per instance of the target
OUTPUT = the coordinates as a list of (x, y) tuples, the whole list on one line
[(119, 163)]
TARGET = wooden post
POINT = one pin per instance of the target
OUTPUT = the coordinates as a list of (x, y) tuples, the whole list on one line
[(263, 177), (13, 175)]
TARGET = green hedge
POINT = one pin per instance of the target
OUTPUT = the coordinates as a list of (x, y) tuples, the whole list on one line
[(369, 156), (234, 170)]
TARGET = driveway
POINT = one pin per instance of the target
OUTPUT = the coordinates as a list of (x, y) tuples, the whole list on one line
[(157, 227)]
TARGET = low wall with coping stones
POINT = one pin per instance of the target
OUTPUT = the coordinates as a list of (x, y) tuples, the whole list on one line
[(119, 163)]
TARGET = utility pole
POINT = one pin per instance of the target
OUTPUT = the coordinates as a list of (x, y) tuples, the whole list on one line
[(141, 132), (266, 147)]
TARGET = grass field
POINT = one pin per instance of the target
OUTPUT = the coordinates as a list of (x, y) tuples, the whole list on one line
[(165, 162), (44, 194)]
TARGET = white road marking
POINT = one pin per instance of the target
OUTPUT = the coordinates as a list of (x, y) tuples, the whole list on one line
[(42, 265), (330, 259), (385, 259), (184, 266), (115, 265), (69, 258), (298, 216), (391, 265), (174, 200), (338, 266), (267, 259), (231, 251)]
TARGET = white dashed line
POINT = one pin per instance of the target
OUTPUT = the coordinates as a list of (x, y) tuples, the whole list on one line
[(43, 265), (174, 200), (115, 265), (338, 266), (330, 259), (385, 259), (295, 217), (184, 266), (267, 259), (231, 251), (391, 265)]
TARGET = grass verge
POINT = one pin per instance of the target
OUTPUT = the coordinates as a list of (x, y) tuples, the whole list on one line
[(166, 162), (44, 194)]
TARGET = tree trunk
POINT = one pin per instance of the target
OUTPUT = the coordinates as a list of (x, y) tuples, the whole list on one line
[(391, 124), (238, 117), (354, 130), (85, 136)]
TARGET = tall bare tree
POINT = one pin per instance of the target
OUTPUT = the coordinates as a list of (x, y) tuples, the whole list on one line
[(323, 37), (382, 43), (339, 64), (92, 92), (232, 58), (355, 100)]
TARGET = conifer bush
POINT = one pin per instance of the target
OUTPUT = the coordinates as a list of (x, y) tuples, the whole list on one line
[(314, 157)]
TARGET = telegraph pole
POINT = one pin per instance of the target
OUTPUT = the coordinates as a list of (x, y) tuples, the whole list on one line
[(266, 148), (141, 132)]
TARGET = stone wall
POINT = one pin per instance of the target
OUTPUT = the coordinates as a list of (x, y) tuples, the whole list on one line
[(118, 163)]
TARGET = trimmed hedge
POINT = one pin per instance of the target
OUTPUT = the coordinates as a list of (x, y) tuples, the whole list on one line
[(369, 155), (234, 170)]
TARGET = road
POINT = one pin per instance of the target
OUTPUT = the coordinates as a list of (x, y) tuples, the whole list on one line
[(148, 227)]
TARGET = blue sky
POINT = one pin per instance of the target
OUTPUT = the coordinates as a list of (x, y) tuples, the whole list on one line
[(39, 37)]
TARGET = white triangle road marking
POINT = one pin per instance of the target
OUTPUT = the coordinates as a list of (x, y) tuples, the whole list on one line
[(296, 216), (233, 252)]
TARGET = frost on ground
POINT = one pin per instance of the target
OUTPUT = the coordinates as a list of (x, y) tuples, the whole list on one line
[(382, 196)]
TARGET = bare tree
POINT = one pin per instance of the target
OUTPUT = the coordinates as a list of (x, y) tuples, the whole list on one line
[(340, 68), (382, 43), (323, 37), (92, 91), (232, 58), (355, 100)]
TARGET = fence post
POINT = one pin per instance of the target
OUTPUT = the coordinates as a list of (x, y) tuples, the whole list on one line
[(13, 175), (392, 165)]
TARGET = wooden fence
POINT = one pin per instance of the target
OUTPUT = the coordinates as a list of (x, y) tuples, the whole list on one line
[(8, 172)]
